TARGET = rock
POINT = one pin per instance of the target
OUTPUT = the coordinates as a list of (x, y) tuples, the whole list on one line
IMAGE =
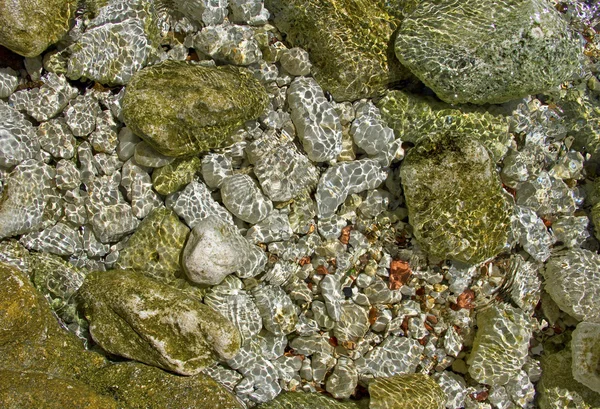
[(180, 108), (28, 27), (59, 239), (228, 43), (276, 309), (156, 245), (250, 12), (481, 53), (455, 200), (18, 139), (81, 114), (216, 249), (501, 344), (176, 175), (343, 380), (571, 279), (34, 389), (112, 222), (296, 61), (9, 80), (243, 198), (140, 318), (348, 43), (414, 391), (55, 137), (395, 355), (296, 400), (585, 347), (144, 155), (195, 203), (137, 386)]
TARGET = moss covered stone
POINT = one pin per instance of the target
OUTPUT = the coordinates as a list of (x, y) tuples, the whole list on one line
[(455, 200), (413, 391), (28, 27), (156, 245), (141, 318), (488, 52), (176, 175), (348, 42), (138, 386), (414, 116), (39, 390), (297, 400), (181, 109)]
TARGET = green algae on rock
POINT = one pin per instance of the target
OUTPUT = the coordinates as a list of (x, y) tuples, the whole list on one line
[(348, 42), (414, 116), (143, 319), (39, 390), (176, 175), (181, 109), (585, 345), (413, 391), (28, 27), (297, 400), (138, 386), (156, 245), (455, 201), (488, 52)]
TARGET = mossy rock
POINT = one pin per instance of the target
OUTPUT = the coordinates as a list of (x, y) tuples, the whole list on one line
[(144, 319), (488, 52), (38, 390), (138, 386), (156, 245), (28, 27), (414, 116), (412, 391), (297, 400), (182, 109), (176, 175), (455, 200), (349, 43)]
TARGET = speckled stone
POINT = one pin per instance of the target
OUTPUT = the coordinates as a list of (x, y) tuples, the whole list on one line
[(296, 400), (176, 175), (415, 391), (18, 139), (243, 198), (195, 203)]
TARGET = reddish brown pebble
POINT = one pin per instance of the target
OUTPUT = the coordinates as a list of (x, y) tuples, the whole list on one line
[(433, 319), (480, 396), (404, 325), (420, 291), (373, 314), (428, 327), (304, 260), (322, 270), (345, 236), (465, 300), (400, 273), (311, 229), (547, 222), (333, 341), (349, 345), (423, 341)]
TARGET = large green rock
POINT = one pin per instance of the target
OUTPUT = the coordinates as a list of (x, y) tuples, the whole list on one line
[(181, 109), (141, 318), (297, 400), (412, 391), (139, 386), (455, 200), (39, 390), (28, 27), (349, 43), (156, 245), (414, 116), (488, 51)]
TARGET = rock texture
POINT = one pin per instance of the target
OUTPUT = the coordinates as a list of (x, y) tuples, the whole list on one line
[(180, 108), (415, 391), (481, 52)]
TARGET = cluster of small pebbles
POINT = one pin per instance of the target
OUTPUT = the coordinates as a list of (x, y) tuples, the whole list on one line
[(202, 187)]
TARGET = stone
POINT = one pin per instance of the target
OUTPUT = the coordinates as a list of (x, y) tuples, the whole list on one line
[(274, 227), (18, 139), (501, 344), (531, 233), (353, 323), (59, 239), (276, 309), (175, 176), (297, 400), (585, 347), (344, 179), (317, 124), (296, 61), (144, 155), (195, 203), (227, 43), (348, 43), (9, 80), (455, 201), (216, 249), (112, 222), (104, 137), (571, 279), (30, 26), (137, 386), (216, 167), (55, 137), (181, 109), (546, 195), (197, 12), (81, 114), (251, 12), (343, 380), (156, 245), (455, 388), (393, 356), (481, 53), (22, 389), (140, 318), (406, 392), (127, 143), (243, 198)]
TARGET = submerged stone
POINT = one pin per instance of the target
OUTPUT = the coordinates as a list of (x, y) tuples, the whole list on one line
[(176, 175), (455, 200), (180, 108), (586, 354), (348, 42), (414, 391), (481, 52), (296, 400), (28, 27), (135, 316)]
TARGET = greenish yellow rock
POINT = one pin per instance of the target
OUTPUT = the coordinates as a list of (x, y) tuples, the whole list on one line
[(155, 247), (31, 338), (28, 27), (181, 109), (20, 390), (455, 200), (297, 400), (141, 318), (138, 386), (348, 42), (479, 51), (414, 391), (414, 116), (176, 175)]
